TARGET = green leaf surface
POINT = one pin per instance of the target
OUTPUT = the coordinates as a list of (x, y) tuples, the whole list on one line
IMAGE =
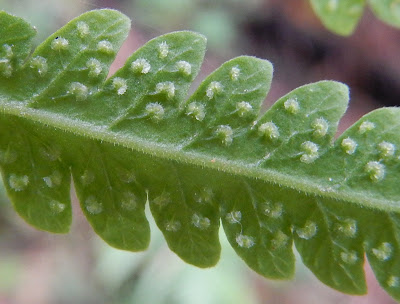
[(387, 10), (342, 16), (15, 39), (273, 179)]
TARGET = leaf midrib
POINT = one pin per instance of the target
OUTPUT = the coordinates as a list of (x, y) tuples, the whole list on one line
[(169, 152)]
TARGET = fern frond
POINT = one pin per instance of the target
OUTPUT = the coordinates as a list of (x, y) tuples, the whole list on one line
[(273, 179)]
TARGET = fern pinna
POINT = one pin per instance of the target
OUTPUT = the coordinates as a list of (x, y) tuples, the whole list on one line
[(272, 179), (342, 16)]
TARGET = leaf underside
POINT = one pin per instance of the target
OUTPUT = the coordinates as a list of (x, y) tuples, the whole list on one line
[(342, 16), (272, 179)]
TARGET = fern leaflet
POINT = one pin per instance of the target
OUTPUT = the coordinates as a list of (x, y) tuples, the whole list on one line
[(272, 179), (342, 16)]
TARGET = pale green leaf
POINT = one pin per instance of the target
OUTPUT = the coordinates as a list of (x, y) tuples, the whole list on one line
[(387, 10), (273, 180), (15, 39), (339, 16), (342, 16)]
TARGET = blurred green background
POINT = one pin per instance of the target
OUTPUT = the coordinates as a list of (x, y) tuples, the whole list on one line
[(37, 267)]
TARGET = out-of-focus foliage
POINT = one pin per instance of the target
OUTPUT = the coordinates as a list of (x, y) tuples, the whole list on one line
[(217, 20), (45, 14), (158, 276), (342, 16)]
